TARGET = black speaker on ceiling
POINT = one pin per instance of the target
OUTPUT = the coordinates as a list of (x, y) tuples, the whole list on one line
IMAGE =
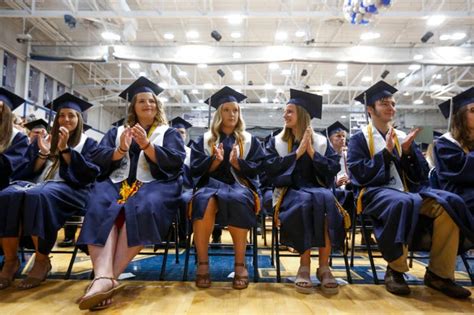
[(426, 37), (221, 73), (304, 73), (384, 74), (216, 35)]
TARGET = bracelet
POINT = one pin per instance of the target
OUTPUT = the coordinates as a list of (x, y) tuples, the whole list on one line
[(67, 150), (43, 157), (121, 151), (146, 147), (43, 154)]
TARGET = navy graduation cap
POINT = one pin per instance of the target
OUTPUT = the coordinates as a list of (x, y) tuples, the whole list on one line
[(38, 123), (312, 103), (376, 92), (141, 85), (225, 95), (336, 127), (119, 122), (459, 101), (179, 122), (86, 127), (10, 99), (67, 100), (437, 134)]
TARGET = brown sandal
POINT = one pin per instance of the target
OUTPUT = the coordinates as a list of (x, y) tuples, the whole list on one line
[(240, 282), (92, 302), (5, 282), (203, 281), (32, 282)]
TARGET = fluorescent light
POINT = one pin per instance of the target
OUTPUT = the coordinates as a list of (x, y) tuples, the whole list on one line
[(163, 99), (110, 36), (202, 65), (142, 74), (406, 94), (236, 55), (281, 35), (268, 86), (208, 85), (168, 36), (192, 34), (366, 78), (235, 19), (458, 36), (286, 72), (279, 91), (300, 33), (435, 87), (134, 65), (343, 116), (369, 35), (276, 101), (264, 100), (435, 20), (182, 74), (418, 57), (341, 73), (235, 35), (194, 91), (341, 66), (414, 67), (445, 37), (238, 75), (401, 75), (273, 66), (437, 76), (201, 101), (418, 102)]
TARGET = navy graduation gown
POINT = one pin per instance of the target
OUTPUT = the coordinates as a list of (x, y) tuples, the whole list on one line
[(236, 204), (395, 213), (150, 212), (42, 208), (12, 159), (308, 202)]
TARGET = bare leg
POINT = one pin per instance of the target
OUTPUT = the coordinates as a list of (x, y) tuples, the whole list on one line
[(202, 231), (123, 253), (102, 262), (239, 238), (325, 251), (10, 248)]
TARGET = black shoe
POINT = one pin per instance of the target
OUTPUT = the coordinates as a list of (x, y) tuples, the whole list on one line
[(446, 286), (216, 240), (68, 242), (372, 242), (395, 282)]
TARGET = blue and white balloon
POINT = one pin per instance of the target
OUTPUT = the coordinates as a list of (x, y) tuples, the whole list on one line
[(362, 11)]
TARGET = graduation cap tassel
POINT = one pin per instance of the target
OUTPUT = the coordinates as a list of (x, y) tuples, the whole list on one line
[(450, 113), (365, 109), (50, 117), (209, 114)]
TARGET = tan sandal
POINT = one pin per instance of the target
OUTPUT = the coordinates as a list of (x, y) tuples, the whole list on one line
[(32, 282), (91, 302), (240, 282), (303, 282), (5, 282), (329, 284), (203, 281)]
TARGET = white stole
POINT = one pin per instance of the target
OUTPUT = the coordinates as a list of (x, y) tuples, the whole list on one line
[(143, 169), (247, 143), (448, 136), (380, 144), (49, 163), (187, 160), (14, 133)]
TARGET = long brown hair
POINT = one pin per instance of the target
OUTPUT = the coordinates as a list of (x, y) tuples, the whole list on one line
[(6, 127), (217, 124), (73, 140), (303, 121), (160, 116), (459, 129)]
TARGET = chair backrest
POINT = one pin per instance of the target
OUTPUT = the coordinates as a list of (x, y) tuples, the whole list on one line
[(433, 178)]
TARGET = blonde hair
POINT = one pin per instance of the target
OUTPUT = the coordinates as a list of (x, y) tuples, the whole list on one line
[(303, 121), (6, 127), (160, 116), (217, 124)]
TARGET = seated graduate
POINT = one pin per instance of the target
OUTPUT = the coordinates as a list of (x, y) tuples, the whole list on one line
[(13, 143), (454, 151), (137, 196), (385, 166), (302, 166), (55, 185), (182, 126), (224, 166), (37, 128)]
